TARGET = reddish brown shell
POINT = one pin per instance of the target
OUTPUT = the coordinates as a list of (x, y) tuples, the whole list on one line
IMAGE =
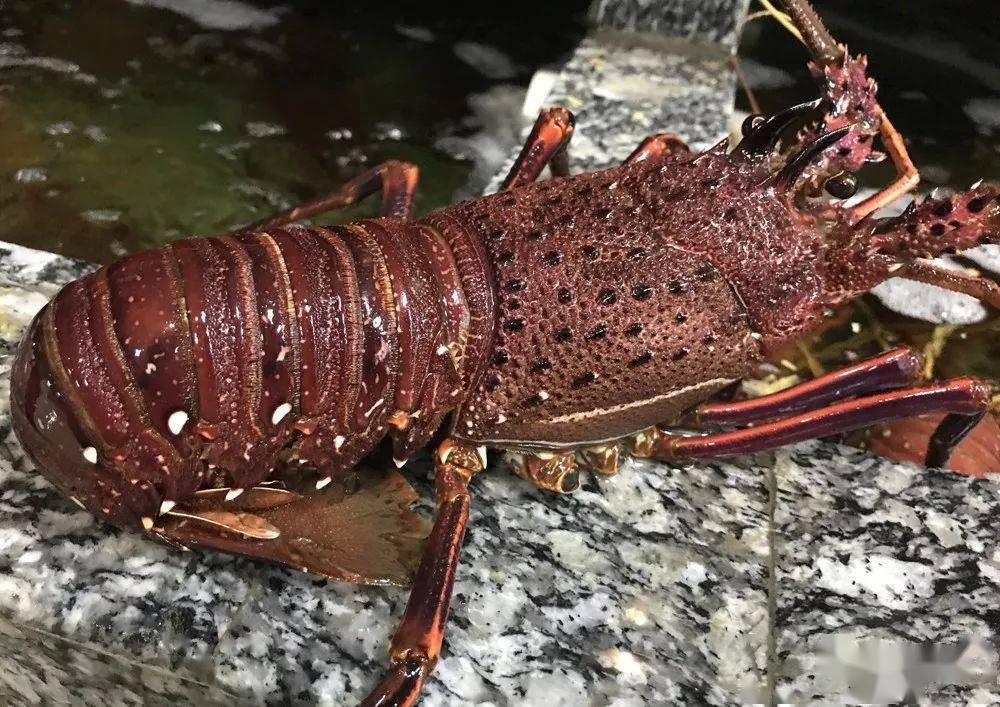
[(212, 361)]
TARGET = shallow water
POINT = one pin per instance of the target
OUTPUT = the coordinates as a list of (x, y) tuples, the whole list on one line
[(124, 124)]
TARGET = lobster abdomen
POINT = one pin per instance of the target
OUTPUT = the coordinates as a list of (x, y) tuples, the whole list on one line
[(212, 362)]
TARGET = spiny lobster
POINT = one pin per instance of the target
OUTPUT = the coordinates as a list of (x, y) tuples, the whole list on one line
[(191, 391)]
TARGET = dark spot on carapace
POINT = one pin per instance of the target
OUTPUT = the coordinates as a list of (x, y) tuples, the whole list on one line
[(942, 209), (553, 257), (501, 357), (642, 291), (607, 296), (636, 253), (590, 251), (585, 379), (542, 364), (978, 204), (937, 229), (680, 353), (270, 367), (533, 400), (564, 334), (601, 213), (492, 383), (505, 258), (516, 324), (512, 303), (641, 360), (676, 286), (598, 332), (729, 215), (564, 296), (633, 329), (514, 285), (536, 235), (709, 338), (681, 318), (706, 273)]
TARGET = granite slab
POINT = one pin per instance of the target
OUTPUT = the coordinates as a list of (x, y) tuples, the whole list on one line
[(887, 579)]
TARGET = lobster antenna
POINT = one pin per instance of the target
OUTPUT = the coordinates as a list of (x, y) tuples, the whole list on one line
[(812, 31), (776, 14), (760, 138), (797, 164)]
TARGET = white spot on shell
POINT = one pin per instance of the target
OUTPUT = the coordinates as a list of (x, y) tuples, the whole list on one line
[(441, 350), (176, 421), (147, 522), (280, 412), (543, 395), (338, 442), (233, 493), (323, 482), (90, 454)]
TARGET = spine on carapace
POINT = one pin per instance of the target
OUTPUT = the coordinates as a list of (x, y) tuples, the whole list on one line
[(211, 362)]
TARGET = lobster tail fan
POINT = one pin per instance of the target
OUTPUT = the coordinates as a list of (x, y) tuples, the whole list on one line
[(822, 45), (761, 137), (795, 166)]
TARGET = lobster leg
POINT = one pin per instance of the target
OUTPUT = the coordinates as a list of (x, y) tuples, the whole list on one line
[(659, 145), (952, 280), (546, 145), (907, 176), (397, 182), (966, 399), (893, 369), (416, 644)]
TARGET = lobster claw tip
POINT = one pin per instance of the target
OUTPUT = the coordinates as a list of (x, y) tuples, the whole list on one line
[(761, 136), (795, 166)]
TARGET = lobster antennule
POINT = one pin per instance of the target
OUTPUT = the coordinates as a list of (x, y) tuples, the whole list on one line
[(760, 139), (821, 44), (795, 166)]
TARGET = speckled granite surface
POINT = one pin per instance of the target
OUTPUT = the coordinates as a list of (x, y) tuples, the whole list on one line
[(716, 21), (668, 584)]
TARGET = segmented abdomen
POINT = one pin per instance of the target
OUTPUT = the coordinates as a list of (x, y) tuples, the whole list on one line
[(213, 361)]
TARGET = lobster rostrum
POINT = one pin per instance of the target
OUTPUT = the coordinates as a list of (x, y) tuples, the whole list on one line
[(218, 392)]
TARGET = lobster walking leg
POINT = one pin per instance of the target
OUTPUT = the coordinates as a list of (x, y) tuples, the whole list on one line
[(416, 644), (907, 176), (657, 146), (397, 182), (953, 280), (893, 369), (965, 397), (546, 145)]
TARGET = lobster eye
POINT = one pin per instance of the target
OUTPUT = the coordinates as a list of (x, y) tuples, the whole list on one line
[(842, 186), (751, 122)]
